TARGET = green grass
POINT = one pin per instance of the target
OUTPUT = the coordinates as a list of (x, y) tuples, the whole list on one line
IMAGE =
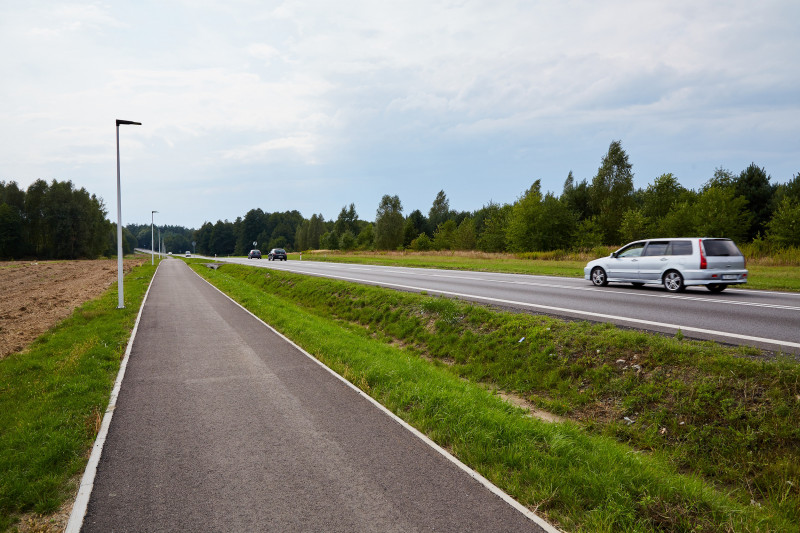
[(713, 430), (776, 278), (763, 273), (458, 261), (53, 396)]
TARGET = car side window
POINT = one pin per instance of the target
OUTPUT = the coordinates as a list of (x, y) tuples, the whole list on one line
[(634, 250), (680, 248), (656, 248)]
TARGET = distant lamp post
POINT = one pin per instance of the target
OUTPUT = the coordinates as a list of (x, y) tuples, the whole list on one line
[(120, 295), (152, 247)]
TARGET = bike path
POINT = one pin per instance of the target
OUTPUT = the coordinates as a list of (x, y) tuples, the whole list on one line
[(223, 425)]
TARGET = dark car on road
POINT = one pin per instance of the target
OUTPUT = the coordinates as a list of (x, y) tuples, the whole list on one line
[(254, 254), (277, 253)]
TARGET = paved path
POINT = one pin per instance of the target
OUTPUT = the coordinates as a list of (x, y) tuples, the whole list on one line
[(221, 425)]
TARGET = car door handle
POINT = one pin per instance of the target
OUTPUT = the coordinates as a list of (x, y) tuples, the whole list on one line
[(664, 259)]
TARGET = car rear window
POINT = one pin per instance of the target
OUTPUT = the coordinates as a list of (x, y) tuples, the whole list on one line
[(681, 248), (720, 247)]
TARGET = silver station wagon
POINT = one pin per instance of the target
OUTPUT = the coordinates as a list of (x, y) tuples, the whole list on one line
[(675, 263)]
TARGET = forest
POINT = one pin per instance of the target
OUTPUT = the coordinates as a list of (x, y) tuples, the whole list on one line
[(746, 207), (55, 221)]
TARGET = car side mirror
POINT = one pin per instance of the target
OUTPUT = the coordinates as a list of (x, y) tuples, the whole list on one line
[(612, 254)]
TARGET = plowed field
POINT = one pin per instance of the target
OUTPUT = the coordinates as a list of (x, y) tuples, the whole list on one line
[(34, 296)]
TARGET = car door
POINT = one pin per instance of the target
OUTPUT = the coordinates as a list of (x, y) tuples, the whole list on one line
[(625, 264), (653, 260)]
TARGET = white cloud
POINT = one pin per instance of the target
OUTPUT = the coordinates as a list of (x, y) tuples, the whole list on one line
[(55, 21), (318, 84), (303, 145)]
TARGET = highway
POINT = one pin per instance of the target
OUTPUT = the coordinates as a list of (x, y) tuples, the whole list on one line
[(764, 319)]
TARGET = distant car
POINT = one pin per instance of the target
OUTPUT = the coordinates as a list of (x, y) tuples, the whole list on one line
[(254, 254), (675, 263), (188, 253), (169, 253), (277, 253)]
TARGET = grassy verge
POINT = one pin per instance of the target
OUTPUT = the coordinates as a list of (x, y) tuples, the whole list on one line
[(666, 435), (775, 278), (764, 274), (53, 396), (474, 261)]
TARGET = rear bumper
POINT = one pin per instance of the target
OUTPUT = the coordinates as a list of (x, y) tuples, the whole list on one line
[(708, 277)]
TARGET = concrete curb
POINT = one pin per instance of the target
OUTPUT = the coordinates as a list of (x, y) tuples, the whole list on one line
[(87, 481)]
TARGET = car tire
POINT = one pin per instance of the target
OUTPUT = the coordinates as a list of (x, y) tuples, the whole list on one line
[(599, 277), (716, 287), (673, 281)]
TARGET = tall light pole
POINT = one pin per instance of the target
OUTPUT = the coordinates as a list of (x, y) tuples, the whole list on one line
[(120, 296), (152, 249)]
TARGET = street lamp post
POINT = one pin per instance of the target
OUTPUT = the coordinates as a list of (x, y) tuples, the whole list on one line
[(120, 295), (152, 248)]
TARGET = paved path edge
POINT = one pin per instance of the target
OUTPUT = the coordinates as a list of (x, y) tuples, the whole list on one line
[(424, 438), (87, 481)]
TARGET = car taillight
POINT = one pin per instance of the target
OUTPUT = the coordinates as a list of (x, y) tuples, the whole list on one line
[(703, 263)]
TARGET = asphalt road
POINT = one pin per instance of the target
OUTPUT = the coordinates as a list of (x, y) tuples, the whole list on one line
[(765, 319), (222, 425)]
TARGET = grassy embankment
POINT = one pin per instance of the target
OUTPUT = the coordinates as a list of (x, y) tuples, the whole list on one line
[(53, 396), (664, 434), (779, 271)]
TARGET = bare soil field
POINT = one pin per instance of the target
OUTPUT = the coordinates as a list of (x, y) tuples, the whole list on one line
[(36, 295)]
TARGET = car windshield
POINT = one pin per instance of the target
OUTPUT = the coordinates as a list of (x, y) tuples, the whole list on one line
[(280, 251), (721, 247), (633, 250)]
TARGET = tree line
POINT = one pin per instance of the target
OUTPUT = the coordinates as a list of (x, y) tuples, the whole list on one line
[(257, 229), (58, 221), (175, 239), (53, 221), (606, 210)]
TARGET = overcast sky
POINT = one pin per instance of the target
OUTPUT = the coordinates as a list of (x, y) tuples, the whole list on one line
[(312, 105)]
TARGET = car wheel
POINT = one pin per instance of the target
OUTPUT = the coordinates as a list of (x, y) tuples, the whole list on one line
[(673, 281), (599, 277), (637, 284), (716, 287)]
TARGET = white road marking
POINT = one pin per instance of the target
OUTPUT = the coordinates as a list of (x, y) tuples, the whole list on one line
[(632, 293), (562, 310), (570, 287)]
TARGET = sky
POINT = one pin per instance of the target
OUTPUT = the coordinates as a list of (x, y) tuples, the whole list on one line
[(313, 105)]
